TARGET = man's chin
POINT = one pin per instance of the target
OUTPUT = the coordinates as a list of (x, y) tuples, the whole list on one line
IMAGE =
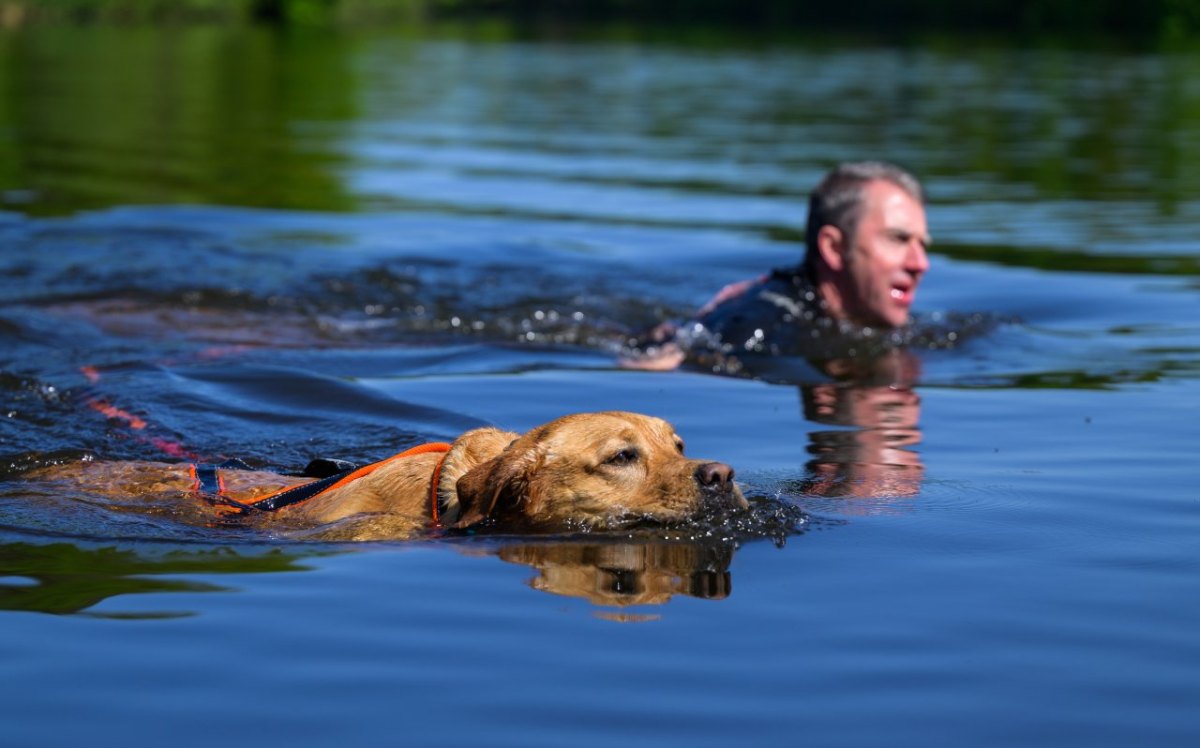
[(885, 319), (899, 302), (885, 314)]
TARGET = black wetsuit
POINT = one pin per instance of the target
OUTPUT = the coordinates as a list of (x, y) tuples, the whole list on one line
[(780, 314), (781, 321)]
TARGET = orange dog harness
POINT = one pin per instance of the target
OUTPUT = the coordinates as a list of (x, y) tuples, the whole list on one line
[(208, 483)]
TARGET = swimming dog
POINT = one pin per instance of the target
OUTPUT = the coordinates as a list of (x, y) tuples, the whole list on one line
[(581, 472)]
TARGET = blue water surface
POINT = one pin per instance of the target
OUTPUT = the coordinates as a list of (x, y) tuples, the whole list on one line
[(352, 243)]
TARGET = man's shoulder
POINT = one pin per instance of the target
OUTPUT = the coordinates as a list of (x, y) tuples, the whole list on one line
[(786, 288), (771, 309)]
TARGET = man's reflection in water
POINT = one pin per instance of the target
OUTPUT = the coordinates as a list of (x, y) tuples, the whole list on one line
[(874, 457)]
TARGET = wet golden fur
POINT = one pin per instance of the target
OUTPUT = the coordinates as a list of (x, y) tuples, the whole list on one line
[(582, 471)]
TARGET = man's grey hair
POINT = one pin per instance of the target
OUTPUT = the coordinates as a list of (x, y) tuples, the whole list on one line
[(838, 200)]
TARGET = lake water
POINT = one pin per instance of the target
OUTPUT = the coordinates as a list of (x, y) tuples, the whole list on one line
[(279, 247)]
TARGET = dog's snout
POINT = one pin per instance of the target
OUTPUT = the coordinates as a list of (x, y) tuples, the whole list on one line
[(716, 474)]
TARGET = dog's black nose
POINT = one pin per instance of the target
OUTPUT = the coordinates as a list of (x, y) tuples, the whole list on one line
[(714, 474)]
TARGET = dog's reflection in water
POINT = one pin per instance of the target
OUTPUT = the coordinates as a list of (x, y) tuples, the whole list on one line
[(624, 574)]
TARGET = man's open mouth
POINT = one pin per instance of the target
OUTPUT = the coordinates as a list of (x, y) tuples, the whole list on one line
[(902, 294)]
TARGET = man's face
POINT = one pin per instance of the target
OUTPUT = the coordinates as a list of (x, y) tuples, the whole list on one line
[(885, 258)]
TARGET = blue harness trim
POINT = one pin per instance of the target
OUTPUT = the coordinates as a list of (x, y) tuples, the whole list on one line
[(208, 480), (208, 486), (296, 494)]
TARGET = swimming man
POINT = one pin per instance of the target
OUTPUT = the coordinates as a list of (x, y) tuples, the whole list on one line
[(865, 256)]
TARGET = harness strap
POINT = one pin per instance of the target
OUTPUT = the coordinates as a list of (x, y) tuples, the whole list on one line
[(209, 484), (305, 491), (435, 504), (206, 480), (296, 494)]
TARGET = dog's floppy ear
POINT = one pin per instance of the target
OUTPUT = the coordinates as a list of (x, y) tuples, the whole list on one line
[(495, 486)]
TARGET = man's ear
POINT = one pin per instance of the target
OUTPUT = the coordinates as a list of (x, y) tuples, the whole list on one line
[(831, 246), (494, 486)]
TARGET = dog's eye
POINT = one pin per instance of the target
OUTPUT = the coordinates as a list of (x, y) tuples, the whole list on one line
[(679, 444), (624, 457)]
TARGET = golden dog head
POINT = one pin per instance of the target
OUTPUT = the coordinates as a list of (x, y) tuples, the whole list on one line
[(595, 471)]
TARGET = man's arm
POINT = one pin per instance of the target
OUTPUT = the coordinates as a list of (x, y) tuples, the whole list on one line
[(664, 353)]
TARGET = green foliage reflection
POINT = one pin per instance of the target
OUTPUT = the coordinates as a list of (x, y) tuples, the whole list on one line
[(95, 117), (1114, 16), (63, 578)]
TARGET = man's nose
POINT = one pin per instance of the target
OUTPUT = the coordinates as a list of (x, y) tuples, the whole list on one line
[(916, 261)]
